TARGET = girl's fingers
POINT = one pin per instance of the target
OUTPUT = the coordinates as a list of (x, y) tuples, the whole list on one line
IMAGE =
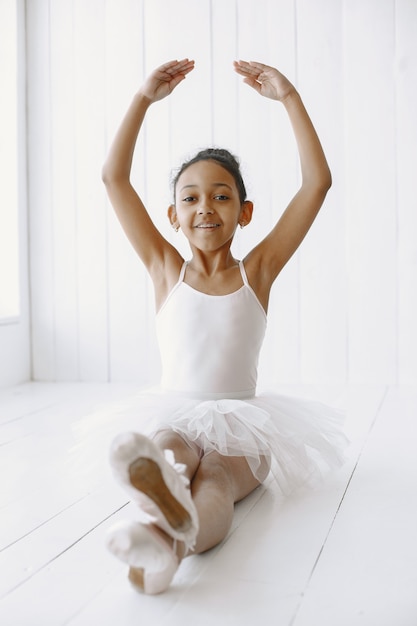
[(175, 67), (259, 66), (185, 69), (252, 69), (173, 63), (242, 67), (167, 71)]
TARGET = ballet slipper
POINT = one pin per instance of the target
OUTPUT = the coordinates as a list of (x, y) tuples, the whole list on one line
[(157, 485), (152, 561)]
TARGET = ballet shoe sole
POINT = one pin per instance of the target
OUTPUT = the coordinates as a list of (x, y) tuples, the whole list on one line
[(136, 577), (146, 476)]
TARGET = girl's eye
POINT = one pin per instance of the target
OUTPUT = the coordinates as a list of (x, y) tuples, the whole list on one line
[(221, 197), (188, 199)]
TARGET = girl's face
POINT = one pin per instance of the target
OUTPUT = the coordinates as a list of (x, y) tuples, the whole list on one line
[(207, 205)]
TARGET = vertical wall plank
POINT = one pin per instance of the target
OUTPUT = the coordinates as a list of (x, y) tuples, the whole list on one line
[(39, 187), (323, 279), (63, 206), (128, 292), (370, 189), (406, 42), (91, 219), (254, 116), (281, 352), (224, 109), (191, 110), (157, 133)]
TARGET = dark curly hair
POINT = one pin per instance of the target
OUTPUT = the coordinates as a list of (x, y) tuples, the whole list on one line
[(224, 158)]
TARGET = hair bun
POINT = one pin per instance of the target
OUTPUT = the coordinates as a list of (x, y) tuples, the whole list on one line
[(224, 158)]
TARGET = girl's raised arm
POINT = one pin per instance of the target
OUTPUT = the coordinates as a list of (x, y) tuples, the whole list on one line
[(151, 246), (277, 248)]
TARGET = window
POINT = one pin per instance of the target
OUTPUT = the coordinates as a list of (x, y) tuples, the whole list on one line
[(9, 196)]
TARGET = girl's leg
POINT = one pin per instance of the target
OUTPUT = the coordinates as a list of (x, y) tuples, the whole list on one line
[(218, 484)]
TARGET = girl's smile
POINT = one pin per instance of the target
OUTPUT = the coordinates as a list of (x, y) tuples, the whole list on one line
[(207, 226)]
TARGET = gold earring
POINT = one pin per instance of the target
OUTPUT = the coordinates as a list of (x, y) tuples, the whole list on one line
[(176, 228), (241, 225)]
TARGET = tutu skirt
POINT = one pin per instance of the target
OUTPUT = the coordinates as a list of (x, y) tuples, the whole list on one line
[(300, 439)]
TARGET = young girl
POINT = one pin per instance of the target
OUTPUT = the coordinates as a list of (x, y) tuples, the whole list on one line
[(213, 440)]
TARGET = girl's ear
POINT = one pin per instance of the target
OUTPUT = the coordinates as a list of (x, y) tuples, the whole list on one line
[(172, 216), (246, 213)]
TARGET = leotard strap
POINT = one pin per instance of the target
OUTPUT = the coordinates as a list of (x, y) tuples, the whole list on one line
[(175, 287), (243, 274), (246, 283), (182, 272)]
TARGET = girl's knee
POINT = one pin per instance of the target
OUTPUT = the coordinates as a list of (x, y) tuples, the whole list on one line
[(214, 469), (229, 474), (183, 451)]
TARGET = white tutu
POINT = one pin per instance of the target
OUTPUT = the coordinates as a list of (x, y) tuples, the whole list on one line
[(299, 438)]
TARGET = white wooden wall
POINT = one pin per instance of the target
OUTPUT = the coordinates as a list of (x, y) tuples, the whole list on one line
[(345, 307)]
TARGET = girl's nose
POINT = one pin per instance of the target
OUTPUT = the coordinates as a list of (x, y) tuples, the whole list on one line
[(204, 208)]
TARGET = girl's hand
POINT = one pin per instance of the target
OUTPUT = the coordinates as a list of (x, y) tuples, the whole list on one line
[(267, 81), (162, 81)]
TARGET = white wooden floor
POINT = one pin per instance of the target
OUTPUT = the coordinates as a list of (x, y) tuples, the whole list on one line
[(344, 554)]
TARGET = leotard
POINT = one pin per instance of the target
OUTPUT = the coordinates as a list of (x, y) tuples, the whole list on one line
[(210, 344)]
